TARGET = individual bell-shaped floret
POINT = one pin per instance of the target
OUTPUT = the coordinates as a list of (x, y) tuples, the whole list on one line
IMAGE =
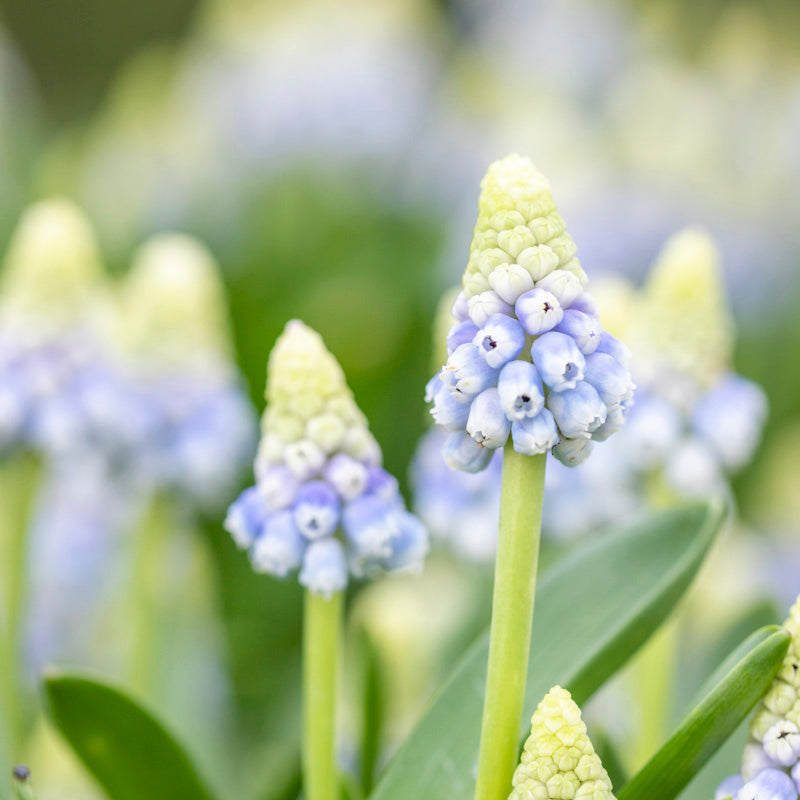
[(324, 502), (500, 340), (771, 784), (731, 416), (559, 361), (558, 759)]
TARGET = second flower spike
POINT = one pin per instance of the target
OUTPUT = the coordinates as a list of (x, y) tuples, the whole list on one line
[(559, 760), (527, 357), (322, 503)]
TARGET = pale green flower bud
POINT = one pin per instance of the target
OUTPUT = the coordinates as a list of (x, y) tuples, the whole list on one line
[(309, 404), (685, 322), (173, 302), (517, 227), (559, 761), (53, 274)]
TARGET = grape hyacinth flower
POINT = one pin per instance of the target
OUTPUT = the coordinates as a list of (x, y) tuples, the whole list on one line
[(538, 370), (771, 759), (318, 477), (193, 426), (322, 504), (695, 422), (539, 375), (558, 759)]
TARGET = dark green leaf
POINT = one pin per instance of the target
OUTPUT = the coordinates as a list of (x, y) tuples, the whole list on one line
[(730, 695), (128, 751), (373, 708), (593, 611)]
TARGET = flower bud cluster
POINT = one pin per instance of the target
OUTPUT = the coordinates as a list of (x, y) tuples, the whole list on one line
[(527, 357), (771, 759), (558, 759), (322, 503)]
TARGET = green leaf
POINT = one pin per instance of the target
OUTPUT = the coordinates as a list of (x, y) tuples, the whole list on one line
[(128, 751), (594, 609), (609, 754), (733, 690), (373, 708)]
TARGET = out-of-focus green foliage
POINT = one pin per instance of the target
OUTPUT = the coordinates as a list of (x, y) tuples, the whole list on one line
[(623, 585), (129, 752)]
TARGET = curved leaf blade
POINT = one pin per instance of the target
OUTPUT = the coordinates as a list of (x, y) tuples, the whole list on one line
[(593, 611), (738, 684), (128, 751)]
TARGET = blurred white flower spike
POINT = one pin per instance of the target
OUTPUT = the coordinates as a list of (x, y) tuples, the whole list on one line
[(195, 416), (322, 502), (527, 357), (54, 321)]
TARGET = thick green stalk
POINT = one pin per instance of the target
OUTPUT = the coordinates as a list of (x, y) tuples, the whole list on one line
[(321, 640), (512, 617), (19, 481)]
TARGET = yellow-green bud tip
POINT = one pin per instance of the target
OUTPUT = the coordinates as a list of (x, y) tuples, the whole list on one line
[(52, 269), (308, 400), (686, 322), (519, 237), (558, 761), (174, 306)]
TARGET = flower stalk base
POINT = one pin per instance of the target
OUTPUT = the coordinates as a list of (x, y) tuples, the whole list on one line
[(512, 616), (321, 641)]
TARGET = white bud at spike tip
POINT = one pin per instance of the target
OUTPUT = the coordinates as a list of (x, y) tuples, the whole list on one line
[(324, 504)]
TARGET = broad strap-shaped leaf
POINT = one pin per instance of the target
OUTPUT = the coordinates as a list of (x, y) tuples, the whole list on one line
[(128, 751), (594, 609), (731, 693)]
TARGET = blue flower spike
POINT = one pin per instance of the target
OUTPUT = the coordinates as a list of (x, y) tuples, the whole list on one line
[(539, 367), (322, 503)]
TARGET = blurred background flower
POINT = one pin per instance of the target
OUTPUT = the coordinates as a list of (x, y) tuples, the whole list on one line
[(328, 156)]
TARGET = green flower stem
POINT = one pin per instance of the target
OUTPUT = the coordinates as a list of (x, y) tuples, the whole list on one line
[(150, 546), (512, 617), (653, 676), (653, 668), (19, 481), (321, 641)]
